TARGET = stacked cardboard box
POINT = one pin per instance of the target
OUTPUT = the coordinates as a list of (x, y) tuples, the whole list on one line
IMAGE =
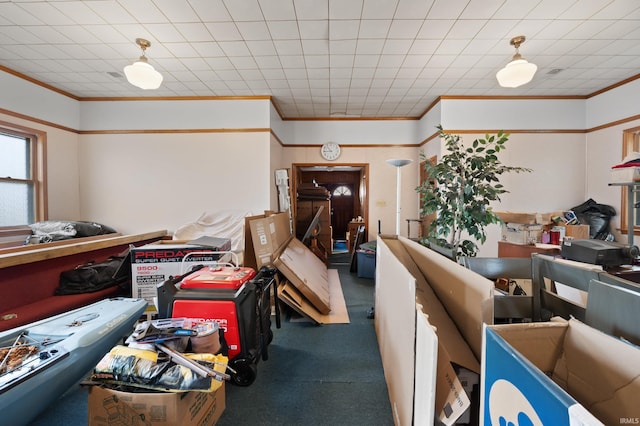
[(308, 287), (153, 264), (528, 228), (109, 407)]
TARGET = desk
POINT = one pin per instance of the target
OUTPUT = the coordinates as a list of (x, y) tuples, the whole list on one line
[(507, 249)]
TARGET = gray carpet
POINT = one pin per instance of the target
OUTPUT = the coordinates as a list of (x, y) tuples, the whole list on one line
[(315, 375)]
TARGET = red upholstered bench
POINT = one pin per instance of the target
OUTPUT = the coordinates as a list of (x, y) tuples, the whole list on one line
[(29, 277)]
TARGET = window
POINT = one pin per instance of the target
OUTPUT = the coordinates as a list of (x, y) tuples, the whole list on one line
[(630, 143), (341, 190), (22, 186)]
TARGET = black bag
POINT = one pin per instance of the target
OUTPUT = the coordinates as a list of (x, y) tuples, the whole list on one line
[(92, 276), (597, 216)]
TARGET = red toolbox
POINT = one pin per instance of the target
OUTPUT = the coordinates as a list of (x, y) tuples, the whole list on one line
[(236, 298)]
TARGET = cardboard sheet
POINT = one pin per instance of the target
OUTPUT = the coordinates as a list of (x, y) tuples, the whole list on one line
[(290, 295), (307, 272)]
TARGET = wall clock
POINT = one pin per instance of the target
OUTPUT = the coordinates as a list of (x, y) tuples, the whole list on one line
[(330, 151)]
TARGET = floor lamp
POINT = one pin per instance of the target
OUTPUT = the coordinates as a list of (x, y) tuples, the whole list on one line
[(397, 163)]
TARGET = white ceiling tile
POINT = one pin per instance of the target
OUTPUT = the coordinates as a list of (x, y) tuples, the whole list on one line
[(483, 9), (447, 9), (228, 75), (379, 9), (234, 48), (340, 9), (19, 16), (391, 61), (46, 13), (452, 47), (244, 63), (112, 12), (318, 73), (342, 46), (435, 29), (514, 9), (208, 49), (165, 33), (278, 9), (413, 9), (424, 47), (316, 29), (261, 47), (370, 47), (344, 29), (295, 73), (184, 50), (254, 30), (177, 10), (292, 61), (404, 29), (48, 34), (246, 10), (366, 61), (374, 28), (288, 47), (341, 61), (466, 29), (194, 32), (210, 10), (315, 47), (77, 34), (311, 9), (583, 9), (316, 61), (224, 31), (145, 11), (108, 34), (283, 30), (268, 62), (397, 47), (219, 63), (415, 61), (195, 64), (550, 9)]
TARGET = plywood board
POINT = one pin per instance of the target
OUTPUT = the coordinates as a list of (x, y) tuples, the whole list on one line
[(290, 295)]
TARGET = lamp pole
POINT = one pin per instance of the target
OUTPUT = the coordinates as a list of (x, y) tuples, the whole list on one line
[(397, 163)]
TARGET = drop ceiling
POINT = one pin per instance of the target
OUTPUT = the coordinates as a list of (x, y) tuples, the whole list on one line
[(323, 58)]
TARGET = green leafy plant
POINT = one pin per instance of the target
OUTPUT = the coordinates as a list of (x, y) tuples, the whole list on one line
[(459, 191)]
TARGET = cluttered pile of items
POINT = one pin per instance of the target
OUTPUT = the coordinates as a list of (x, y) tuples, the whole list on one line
[(213, 326)]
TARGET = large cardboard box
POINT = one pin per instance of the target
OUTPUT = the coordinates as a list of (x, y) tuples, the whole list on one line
[(429, 312), (559, 372), (109, 407), (153, 264), (274, 245)]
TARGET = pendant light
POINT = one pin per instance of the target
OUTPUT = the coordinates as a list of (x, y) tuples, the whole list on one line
[(519, 71), (141, 74)]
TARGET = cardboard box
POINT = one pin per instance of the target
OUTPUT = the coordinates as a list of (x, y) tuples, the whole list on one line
[(274, 245), (519, 233), (553, 372), (527, 218), (109, 407), (429, 313), (578, 232), (153, 264)]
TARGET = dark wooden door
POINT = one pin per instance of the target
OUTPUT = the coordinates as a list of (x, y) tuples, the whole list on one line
[(342, 207)]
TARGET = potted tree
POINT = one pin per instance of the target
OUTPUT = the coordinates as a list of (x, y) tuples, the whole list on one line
[(459, 191)]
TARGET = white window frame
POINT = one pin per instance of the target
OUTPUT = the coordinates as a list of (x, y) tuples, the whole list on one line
[(38, 141)]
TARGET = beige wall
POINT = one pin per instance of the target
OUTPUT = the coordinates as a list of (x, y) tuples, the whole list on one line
[(141, 182)]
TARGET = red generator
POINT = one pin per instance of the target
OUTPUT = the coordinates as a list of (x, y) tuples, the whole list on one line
[(235, 297)]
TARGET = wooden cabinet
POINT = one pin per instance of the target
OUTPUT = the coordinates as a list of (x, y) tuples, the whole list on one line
[(305, 212)]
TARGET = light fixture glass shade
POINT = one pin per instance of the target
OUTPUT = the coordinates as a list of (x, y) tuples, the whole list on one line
[(516, 73), (143, 75)]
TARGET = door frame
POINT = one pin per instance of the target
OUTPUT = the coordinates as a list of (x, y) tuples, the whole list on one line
[(296, 168)]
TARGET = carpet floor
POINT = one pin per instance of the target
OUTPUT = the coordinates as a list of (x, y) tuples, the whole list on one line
[(315, 374)]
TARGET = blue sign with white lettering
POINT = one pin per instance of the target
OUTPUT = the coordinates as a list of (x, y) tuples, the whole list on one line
[(516, 392)]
